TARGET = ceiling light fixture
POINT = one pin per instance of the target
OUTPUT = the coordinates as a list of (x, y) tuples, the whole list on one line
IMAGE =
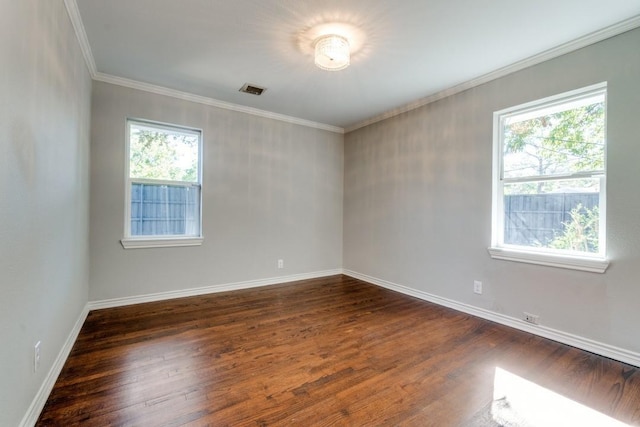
[(332, 52)]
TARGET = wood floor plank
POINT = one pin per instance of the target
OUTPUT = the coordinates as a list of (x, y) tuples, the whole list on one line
[(329, 351)]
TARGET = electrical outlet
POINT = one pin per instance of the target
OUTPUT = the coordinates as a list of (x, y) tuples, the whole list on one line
[(477, 287), (36, 356), (280, 263), (531, 318)]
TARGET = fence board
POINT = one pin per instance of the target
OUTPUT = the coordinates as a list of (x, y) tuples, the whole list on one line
[(537, 219), (164, 210)]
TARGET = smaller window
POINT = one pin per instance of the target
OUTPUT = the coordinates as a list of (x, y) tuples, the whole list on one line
[(549, 181), (164, 188)]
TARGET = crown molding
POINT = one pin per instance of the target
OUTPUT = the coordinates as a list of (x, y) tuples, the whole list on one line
[(587, 40), (161, 90), (579, 43), (81, 35)]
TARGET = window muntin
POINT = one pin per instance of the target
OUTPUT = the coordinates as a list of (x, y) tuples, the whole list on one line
[(163, 181), (549, 189)]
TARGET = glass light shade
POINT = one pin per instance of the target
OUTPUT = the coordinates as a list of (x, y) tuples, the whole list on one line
[(332, 53)]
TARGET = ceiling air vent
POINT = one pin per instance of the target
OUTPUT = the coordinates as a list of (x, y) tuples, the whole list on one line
[(252, 89)]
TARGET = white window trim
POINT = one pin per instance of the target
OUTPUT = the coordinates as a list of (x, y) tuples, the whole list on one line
[(593, 265), (168, 241), (164, 242), (596, 263)]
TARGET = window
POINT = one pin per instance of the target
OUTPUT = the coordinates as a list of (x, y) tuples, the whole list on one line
[(549, 173), (163, 190)]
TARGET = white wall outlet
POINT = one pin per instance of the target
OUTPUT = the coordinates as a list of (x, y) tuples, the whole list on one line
[(36, 356), (531, 318), (477, 287), (280, 263)]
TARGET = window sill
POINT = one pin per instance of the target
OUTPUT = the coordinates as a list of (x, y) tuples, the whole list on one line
[(164, 242), (593, 265)]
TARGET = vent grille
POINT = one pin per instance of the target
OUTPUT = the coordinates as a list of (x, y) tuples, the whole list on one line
[(252, 89)]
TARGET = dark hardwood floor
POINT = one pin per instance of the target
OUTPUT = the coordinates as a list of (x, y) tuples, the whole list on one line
[(330, 351)]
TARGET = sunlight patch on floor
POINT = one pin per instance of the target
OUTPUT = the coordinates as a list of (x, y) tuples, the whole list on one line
[(521, 403)]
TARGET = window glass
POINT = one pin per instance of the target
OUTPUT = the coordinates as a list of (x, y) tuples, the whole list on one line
[(162, 153), (561, 214), (164, 181), (555, 141), (549, 188)]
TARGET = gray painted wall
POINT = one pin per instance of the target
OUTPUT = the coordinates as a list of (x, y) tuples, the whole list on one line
[(270, 190), (275, 190), (44, 193), (418, 200)]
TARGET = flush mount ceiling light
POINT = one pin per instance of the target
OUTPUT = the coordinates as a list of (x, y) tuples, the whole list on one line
[(333, 45), (332, 52)]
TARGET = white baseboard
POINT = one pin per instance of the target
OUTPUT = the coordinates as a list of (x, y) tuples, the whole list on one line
[(587, 344), (31, 417), (161, 296)]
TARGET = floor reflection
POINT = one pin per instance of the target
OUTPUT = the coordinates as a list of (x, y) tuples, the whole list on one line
[(521, 403)]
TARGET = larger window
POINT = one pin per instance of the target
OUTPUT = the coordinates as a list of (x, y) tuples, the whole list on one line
[(549, 201), (164, 169)]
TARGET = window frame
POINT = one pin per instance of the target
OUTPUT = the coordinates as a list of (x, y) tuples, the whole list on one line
[(598, 262), (159, 241)]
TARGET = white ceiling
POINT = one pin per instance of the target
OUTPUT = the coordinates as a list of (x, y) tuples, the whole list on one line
[(409, 49)]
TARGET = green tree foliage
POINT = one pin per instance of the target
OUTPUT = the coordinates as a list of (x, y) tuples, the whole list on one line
[(562, 142), (162, 155), (581, 232)]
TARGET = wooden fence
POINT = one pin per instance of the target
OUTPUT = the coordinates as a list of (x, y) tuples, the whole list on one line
[(530, 220), (164, 210), (536, 219)]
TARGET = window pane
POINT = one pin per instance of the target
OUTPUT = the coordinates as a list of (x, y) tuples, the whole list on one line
[(163, 210), (158, 153), (555, 140), (558, 215)]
